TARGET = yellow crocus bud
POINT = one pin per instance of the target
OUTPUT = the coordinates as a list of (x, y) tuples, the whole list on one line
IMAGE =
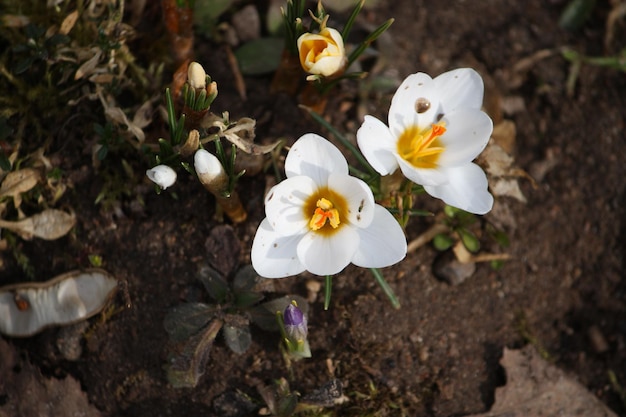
[(322, 53)]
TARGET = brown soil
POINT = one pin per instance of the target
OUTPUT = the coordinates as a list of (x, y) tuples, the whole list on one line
[(437, 355)]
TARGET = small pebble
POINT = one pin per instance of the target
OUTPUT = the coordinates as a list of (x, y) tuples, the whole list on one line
[(448, 269), (598, 341), (69, 340)]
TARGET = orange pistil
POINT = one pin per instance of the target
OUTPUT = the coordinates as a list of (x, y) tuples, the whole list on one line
[(422, 148), (324, 211)]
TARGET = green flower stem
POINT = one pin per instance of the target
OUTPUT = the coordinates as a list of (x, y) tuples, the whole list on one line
[(346, 29), (386, 288), (371, 38), (176, 127), (345, 142), (327, 290)]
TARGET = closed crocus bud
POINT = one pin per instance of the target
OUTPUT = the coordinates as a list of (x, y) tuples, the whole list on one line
[(162, 175), (210, 171), (322, 53), (296, 332), (196, 76), (295, 323), (212, 175)]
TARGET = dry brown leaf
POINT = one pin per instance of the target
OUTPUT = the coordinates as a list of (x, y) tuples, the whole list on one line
[(68, 23), (503, 176), (117, 115), (507, 187), (46, 397), (535, 388), (88, 67), (18, 182), (504, 134), (50, 224)]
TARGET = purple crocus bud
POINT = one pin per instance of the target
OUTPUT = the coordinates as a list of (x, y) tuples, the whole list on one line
[(294, 332), (295, 324)]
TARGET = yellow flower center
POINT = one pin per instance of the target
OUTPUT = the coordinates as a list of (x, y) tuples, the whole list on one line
[(422, 148), (326, 209)]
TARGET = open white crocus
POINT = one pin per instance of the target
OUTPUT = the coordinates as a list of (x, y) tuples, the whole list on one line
[(436, 129), (320, 219)]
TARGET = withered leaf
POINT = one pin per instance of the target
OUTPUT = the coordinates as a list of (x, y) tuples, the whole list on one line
[(47, 397), (68, 23), (187, 361), (50, 224), (536, 388), (18, 182), (88, 67)]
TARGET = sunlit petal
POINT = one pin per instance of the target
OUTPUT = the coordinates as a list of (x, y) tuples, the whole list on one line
[(358, 196), (466, 189), (404, 105), (315, 157), (423, 176), (328, 254), (274, 256), (377, 145), (383, 243), (459, 88), (467, 133), (284, 205)]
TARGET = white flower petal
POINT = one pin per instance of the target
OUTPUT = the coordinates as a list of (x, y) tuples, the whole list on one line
[(274, 256), (467, 189), (383, 243), (377, 145), (196, 76), (328, 254), (162, 175), (284, 205), (336, 36), (459, 88), (315, 157), (403, 113), (467, 133), (358, 196), (423, 176)]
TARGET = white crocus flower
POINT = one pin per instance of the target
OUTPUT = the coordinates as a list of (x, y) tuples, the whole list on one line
[(162, 175), (436, 129), (321, 219)]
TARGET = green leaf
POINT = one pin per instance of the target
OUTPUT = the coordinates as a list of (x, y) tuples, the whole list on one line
[(576, 14), (216, 286), (247, 299), (23, 65), (238, 338), (348, 26), (206, 12), (165, 148), (246, 279), (185, 320), (470, 241), (442, 242), (450, 211), (496, 265), (102, 152), (260, 56), (5, 164), (501, 238)]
